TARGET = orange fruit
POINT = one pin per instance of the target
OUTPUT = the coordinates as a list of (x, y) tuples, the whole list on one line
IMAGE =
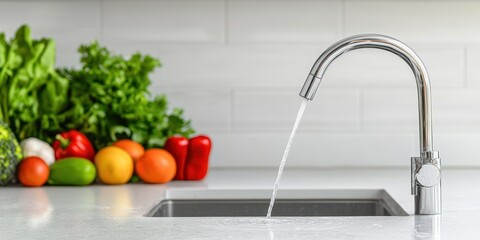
[(114, 165), (33, 172), (134, 149), (156, 166)]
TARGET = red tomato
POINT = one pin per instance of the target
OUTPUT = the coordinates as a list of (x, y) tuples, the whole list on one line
[(33, 172)]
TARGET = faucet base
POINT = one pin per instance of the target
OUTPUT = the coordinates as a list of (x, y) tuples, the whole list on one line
[(428, 201)]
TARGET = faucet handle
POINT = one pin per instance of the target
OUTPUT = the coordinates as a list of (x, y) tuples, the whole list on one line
[(425, 170), (428, 175)]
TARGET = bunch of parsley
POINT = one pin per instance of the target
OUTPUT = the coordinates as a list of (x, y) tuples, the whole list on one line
[(109, 100)]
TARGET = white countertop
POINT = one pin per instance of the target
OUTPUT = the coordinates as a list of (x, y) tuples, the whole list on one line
[(116, 212)]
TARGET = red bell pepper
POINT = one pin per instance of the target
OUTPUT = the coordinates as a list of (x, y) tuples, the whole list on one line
[(178, 147), (190, 155), (73, 144)]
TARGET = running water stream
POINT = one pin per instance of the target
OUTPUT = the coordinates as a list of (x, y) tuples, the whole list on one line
[(285, 155)]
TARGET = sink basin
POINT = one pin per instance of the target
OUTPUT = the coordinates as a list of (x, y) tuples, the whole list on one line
[(289, 203)]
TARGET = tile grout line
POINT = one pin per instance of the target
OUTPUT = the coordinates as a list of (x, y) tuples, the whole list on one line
[(225, 19), (464, 65)]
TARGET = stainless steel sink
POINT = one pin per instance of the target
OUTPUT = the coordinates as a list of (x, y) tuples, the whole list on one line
[(290, 203)]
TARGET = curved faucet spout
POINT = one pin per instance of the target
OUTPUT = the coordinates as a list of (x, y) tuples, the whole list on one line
[(389, 44), (427, 155)]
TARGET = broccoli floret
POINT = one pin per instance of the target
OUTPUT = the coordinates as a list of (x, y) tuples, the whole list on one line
[(10, 154)]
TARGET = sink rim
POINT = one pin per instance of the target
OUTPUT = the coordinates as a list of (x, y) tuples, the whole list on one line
[(284, 194)]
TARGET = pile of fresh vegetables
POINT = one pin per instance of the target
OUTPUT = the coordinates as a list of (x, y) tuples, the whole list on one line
[(76, 163), (62, 116)]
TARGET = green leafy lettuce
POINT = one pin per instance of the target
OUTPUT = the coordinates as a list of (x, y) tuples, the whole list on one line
[(32, 94)]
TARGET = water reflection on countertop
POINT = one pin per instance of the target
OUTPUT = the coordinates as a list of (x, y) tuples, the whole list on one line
[(117, 212)]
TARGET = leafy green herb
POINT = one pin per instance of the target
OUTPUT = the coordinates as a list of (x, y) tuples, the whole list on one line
[(109, 100)]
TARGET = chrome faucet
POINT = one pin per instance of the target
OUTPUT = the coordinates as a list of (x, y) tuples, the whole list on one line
[(425, 170)]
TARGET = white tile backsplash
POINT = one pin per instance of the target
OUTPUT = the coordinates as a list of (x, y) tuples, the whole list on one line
[(209, 109), (277, 109), (67, 22), (265, 149), (271, 65), (236, 67), (458, 149), (67, 56), (283, 21), (418, 21), (457, 110), (163, 21), (183, 65), (473, 66), (384, 109), (398, 110)]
